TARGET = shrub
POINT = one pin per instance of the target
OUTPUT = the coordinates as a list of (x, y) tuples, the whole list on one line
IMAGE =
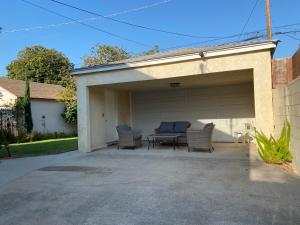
[(70, 112), (6, 137), (37, 136), (273, 150)]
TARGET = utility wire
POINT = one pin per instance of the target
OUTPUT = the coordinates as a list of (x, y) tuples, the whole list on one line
[(287, 25), (290, 36), (249, 17), (127, 23), (85, 24), (207, 41), (127, 11), (258, 35)]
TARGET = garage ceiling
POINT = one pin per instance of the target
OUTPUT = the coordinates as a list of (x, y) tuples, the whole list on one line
[(213, 79)]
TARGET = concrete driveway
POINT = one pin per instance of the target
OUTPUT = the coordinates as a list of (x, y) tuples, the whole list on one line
[(125, 187)]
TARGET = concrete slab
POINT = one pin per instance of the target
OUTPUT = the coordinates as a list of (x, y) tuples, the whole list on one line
[(10, 169), (132, 187)]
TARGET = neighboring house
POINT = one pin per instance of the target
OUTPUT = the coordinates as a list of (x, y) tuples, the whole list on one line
[(229, 85), (45, 108)]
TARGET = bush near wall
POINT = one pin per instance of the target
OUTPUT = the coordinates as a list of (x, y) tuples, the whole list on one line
[(37, 136), (273, 150)]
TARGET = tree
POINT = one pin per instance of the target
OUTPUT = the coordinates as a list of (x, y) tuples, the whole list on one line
[(70, 99), (103, 54), (100, 54), (27, 108), (42, 65), (151, 51)]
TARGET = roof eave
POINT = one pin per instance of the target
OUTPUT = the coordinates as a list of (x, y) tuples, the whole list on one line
[(220, 51)]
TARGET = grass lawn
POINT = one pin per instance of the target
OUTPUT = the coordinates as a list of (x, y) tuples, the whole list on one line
[(45, 147)]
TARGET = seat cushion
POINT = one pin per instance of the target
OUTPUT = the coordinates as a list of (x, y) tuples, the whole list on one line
[(124, 127), (181, 126), (166, 127), (181, 134), (137, 136)]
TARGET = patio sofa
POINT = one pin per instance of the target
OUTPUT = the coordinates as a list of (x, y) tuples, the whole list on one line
[(128, 138), (178, 127), (201, 139)]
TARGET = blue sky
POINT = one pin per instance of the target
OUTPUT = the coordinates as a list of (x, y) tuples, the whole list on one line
[(197, 17)]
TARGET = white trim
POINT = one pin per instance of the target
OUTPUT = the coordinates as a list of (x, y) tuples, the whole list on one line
[(208, 53)]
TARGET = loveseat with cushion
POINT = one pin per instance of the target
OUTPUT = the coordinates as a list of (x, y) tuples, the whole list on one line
[(178, 127)]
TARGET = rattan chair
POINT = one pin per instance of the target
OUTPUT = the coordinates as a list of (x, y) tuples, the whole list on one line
[(128, 138), (200, 139)]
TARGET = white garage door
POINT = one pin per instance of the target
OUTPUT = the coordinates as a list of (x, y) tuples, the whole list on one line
[(229, 107)]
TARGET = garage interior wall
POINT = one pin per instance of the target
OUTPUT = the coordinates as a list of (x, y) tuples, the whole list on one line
[(229, 107)]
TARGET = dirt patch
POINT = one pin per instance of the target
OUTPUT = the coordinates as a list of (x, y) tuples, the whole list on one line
[(83, 169), (287, 166)]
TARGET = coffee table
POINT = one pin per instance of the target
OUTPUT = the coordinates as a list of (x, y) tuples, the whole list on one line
[(155, 138)]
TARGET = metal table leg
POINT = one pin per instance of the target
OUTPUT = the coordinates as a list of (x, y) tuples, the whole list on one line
[(148, 139), (174, 142)]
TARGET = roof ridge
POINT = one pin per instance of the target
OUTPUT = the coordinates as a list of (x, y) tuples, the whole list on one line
[(17, 80), (37, 90)]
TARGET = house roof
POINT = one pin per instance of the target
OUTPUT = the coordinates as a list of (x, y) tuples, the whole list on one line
[(239, 48), (37, 90)]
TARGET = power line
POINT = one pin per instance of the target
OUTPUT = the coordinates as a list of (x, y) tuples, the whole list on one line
[(129, 24), (249, 17), (287, 25), (207, 41), (258, 35), (290, 36), (144, 7), (85, 24)]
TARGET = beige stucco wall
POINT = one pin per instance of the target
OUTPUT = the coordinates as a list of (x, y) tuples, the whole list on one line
[(103, 110), (259, 62), (53, 121), (124, 107), (287, 106), (229, 107)]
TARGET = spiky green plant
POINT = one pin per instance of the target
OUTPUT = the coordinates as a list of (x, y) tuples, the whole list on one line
[(273, 150)]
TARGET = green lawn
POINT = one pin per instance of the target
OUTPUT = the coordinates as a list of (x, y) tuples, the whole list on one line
[(45, 147)]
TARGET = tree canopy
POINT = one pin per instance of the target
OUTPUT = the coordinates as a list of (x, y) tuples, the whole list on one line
[(103, 54), (42, 65), (151, 51)]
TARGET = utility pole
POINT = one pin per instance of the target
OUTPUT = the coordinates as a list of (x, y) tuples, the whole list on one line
[(268, 19)]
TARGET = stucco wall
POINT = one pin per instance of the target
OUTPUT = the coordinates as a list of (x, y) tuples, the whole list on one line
[(287, 106), (124, 107), (100, 111), (52, 121), (229, 107)]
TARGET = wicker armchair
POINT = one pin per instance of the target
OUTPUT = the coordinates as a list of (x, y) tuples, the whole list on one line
[(128, 138), (201, 139)]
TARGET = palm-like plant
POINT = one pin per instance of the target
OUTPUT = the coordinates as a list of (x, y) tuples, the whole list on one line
[(273, 150)]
